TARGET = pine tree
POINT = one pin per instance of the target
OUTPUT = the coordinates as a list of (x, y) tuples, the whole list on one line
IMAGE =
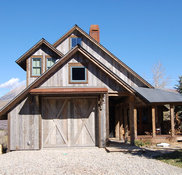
[(179, 85), (178, 109)]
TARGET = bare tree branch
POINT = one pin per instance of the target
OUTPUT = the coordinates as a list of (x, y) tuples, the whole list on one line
[(159, 78)]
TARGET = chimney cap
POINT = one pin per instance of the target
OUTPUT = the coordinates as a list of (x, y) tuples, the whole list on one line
[(94, 27)]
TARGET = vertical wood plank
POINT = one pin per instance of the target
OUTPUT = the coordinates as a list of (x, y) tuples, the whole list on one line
[(9, 131), (99, 127), (135, 123), (172, 120), (125, 124), (121, 123), (153, 121), (107, 118), (131, 118), (116, 122), (140, 120)]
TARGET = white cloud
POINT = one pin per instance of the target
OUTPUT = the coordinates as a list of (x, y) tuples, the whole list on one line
[(12, 83)]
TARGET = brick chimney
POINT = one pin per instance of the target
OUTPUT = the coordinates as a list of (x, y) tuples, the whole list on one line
[(94, 32)]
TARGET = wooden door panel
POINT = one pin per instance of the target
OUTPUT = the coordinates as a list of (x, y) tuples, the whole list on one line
[(54, 116), (84, 122), (68, 122)]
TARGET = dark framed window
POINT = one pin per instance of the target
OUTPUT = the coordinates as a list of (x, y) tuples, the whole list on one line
[(78, 73), (49, 62), (75, 41), (36, 66)]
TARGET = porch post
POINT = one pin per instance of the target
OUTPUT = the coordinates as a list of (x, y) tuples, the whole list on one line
[(117, 123), (140, 120), (131, 118), (120, 123), (125, 125), (172, 120), (135, 123), (153, 121)]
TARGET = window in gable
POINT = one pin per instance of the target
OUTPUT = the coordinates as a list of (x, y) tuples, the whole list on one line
[(36, 66), (50, 61), (75, 41), (78, 73)]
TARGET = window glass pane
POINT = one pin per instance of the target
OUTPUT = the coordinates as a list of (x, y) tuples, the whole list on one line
[(36, 66), (36, 62), (73, 42), (79, 41), (78, 73), (50, 62), (36, 71)]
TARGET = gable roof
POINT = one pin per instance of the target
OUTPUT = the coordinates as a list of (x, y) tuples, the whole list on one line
[(103, 49), (21, 61), (20, 97)]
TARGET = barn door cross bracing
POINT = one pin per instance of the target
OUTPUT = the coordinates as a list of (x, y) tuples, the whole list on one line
[(68, 122)]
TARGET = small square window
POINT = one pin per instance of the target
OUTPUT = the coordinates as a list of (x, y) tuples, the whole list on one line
[(78, 74), (75, 41)]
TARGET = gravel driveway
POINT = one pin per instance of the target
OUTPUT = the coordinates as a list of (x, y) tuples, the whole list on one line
[(81, 161)]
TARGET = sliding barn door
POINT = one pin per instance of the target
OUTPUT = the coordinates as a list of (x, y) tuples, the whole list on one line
[(68, 122)]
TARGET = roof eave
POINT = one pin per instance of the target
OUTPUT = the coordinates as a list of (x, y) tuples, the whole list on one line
[(21, 61)]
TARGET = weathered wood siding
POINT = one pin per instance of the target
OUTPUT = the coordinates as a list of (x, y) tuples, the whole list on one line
[(69, 121), (64, 47), (104, 58), (43, 52), (96, 77), (24, 126)]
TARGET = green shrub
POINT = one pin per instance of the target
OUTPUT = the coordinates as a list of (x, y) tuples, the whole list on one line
[(141, 143)]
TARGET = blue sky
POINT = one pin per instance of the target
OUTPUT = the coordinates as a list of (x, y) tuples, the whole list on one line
[(140, 33)]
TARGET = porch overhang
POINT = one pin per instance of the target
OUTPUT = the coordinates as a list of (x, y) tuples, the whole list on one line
[(159, 96), (68, 90)]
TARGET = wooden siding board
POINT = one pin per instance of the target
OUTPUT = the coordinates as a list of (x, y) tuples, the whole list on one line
[(96, 78), (106, 59), (24, 127)]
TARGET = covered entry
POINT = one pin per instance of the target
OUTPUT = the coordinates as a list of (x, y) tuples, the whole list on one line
[(69, 121)]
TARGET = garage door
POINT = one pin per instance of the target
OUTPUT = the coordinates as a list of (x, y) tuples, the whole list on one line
[(68, 122)]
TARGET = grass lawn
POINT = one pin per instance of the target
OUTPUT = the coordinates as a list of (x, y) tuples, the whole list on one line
[(174, 158)]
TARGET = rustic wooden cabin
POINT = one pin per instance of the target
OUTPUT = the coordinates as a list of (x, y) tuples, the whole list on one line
[(80, 94)]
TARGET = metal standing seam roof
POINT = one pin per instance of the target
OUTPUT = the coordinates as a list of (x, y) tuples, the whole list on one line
[(159, 95)]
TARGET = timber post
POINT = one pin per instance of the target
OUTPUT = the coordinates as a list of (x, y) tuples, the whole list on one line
[(125, 124), (153, 121), (172, 120), (135, 123), (120, 123), (131, 118)]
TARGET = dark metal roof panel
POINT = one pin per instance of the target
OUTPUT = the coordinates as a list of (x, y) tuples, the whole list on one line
[(159, 95)]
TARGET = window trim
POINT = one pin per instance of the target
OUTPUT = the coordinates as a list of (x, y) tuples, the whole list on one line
[(47, 56), (41, 61), (70, 40), (70, 65)]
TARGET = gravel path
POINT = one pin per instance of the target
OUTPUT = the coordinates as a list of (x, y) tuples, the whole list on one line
[(81, 161)]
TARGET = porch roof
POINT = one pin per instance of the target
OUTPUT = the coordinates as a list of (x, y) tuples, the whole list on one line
[(69, 90), (159, 95)]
